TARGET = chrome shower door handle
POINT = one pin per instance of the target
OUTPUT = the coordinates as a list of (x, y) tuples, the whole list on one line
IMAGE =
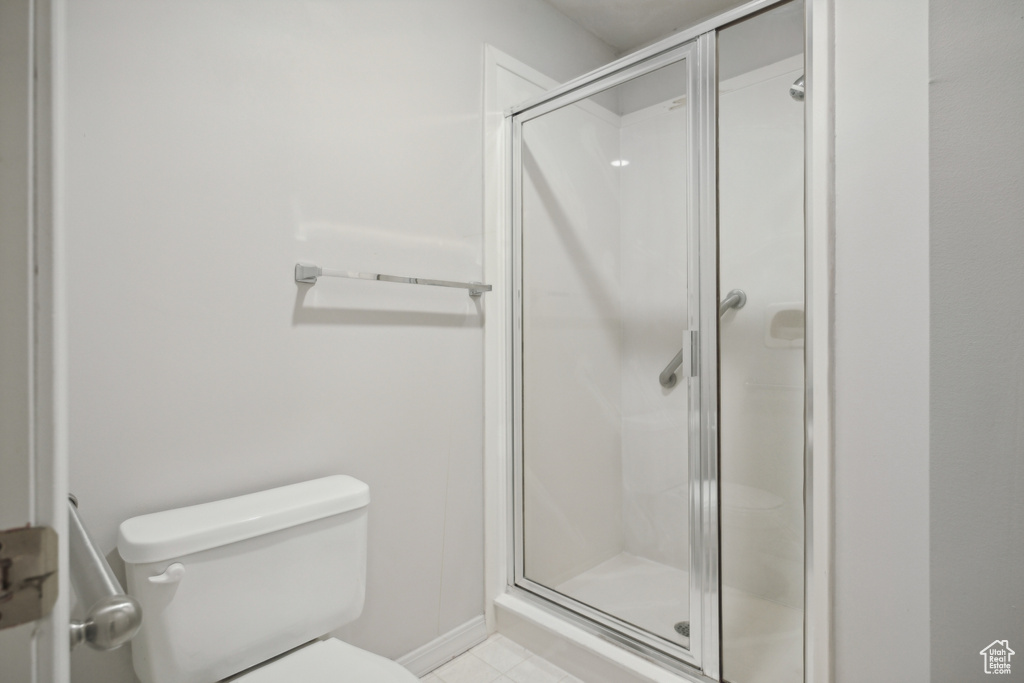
[(686, 358)]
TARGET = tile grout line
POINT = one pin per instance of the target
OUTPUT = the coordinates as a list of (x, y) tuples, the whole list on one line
[(523, 657), (518, 654)]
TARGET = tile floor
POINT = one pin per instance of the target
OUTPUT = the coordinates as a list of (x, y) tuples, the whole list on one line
[(499, 660)]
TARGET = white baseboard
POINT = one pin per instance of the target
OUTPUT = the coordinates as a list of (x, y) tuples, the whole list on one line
[(425, 659)]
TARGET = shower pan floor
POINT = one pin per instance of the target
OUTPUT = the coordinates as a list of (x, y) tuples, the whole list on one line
[(645, 593), (762, 640)]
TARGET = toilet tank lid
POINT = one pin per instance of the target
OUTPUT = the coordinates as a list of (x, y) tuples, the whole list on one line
[(175, 533)]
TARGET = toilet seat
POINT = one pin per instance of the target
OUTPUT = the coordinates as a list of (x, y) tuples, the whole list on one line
[(329, 661)]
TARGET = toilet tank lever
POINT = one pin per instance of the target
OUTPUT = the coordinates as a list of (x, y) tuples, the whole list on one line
[(172, 574)]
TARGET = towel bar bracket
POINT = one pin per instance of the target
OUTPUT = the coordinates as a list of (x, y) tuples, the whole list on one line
[(306, 273)]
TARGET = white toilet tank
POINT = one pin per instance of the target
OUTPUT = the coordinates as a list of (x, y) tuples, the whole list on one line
[(229, 584)]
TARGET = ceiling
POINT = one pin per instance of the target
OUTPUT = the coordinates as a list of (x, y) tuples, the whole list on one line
[(628, 24)]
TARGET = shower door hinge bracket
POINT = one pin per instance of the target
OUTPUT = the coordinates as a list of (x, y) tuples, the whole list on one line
[(28, 574)]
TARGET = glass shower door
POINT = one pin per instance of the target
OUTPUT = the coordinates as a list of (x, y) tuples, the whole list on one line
[(610, 512), (761, 346)]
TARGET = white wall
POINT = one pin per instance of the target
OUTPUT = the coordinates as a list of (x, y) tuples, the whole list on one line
[(572, 343), (15, 258), (977, 350), (16, 331), (881, 427), (210, 146)]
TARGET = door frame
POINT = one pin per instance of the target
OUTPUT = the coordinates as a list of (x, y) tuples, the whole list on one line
[(30, 86), (819, 340)]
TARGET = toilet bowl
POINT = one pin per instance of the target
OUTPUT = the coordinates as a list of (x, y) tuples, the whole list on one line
[(245, 588)]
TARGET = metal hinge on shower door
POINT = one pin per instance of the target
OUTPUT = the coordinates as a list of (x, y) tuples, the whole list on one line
[(28, 574)]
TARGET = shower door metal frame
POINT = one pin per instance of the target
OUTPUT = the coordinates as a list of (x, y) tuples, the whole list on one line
[(703, 654)]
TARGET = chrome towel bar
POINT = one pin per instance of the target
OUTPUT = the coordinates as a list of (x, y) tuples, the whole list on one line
[(112, 618), (308, 273)]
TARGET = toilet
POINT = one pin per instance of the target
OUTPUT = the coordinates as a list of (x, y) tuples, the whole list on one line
[(247, 588)]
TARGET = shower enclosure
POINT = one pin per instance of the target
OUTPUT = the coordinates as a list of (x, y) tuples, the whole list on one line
[(657, 333)]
